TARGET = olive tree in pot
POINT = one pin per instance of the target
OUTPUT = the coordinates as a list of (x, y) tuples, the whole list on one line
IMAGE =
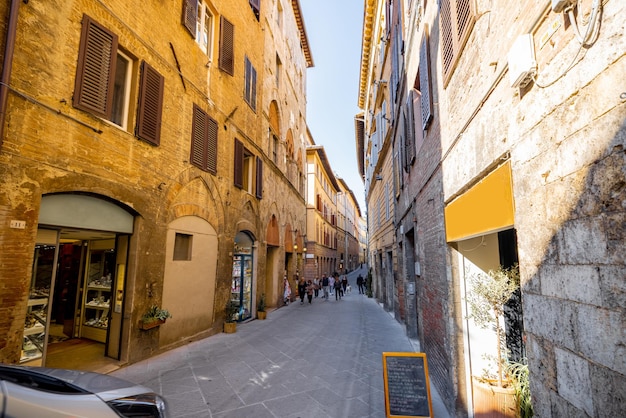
[(487, 296)]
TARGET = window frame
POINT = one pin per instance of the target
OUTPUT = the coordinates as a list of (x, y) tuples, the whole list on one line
[(250, 82)]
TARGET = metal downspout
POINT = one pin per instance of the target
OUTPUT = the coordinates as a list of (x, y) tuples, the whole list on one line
[(7, 64)]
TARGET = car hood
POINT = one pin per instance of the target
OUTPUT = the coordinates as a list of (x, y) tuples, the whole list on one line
[(105, 386)]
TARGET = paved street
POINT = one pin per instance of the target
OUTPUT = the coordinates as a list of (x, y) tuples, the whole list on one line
[(319, 360)]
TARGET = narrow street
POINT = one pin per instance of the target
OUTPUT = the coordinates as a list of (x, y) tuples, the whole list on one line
[(316, 360)]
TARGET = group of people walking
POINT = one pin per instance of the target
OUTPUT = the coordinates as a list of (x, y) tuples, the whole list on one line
[(329, 284)]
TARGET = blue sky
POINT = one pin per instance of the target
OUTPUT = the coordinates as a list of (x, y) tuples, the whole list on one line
[(334, 30)]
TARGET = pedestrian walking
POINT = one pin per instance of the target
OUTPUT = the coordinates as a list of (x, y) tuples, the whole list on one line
[(316, 288), (344, 284), (301, 290), (359, 283), (325, 285), (331, 284), (337, 286), (310, 289)]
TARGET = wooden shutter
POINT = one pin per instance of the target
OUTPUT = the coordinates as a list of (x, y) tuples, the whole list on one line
[(227, 46), (203, 141), (95, 72), (319, 203), (150, 104), (456, 20), (416, 106), (250, 84), (253, 87), (426, 102), (212, 129), (190, 16), (238, 180), (408, 132), (259, 178)]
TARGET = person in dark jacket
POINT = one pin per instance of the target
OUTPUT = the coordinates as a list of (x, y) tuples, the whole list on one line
[(301, 290), (359, 283)]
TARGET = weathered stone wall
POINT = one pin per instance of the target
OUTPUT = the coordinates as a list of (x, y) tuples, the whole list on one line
[(566, 145)]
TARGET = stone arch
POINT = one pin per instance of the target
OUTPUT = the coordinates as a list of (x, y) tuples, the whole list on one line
[(290, 146), (272, 234), (274, 118)]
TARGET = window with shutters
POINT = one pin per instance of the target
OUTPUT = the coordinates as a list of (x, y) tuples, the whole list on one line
[(248, 170), (103, 83), (203, 141), (103, 75), (204, 28), (227, 46), (250, 84), (456, 20), (424, 85)]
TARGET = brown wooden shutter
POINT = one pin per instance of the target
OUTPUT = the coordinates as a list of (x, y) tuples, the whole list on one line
[(150, 104), (226, 60), (238, 180), (198, 132), (203, 141), (259, 178), (95, 72), (190, 16), (425, 83), (212, 129), (408, 131), (319, 203)]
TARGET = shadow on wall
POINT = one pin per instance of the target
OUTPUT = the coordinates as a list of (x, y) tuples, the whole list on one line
[(575, 303)]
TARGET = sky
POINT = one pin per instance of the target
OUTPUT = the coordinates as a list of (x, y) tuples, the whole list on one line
[(334, 30)]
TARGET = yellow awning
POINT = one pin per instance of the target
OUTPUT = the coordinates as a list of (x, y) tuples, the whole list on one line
[(486, 207)]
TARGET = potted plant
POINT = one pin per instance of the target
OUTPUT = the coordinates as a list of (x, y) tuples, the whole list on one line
[(230, 316), (154, 317), (489, 293), (260, 308)]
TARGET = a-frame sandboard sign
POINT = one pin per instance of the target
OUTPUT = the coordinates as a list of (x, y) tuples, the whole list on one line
[(407, 387)]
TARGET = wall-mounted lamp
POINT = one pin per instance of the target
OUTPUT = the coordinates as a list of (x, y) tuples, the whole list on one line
[(379, 177), (295, 247)]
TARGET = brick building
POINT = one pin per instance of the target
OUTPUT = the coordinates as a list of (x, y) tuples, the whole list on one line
[(152, 158)]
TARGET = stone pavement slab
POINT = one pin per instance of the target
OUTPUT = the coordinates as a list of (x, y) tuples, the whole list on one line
[(319, 360)]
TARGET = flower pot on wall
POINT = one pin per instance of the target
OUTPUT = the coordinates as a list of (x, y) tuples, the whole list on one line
[(152, 324), (492, 401), (230, 327)]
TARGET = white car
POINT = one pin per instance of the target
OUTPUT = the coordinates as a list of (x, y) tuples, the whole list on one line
[(55, 393)]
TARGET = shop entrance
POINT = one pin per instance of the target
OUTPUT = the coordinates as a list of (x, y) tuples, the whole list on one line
[(74, 312), (75, 304)]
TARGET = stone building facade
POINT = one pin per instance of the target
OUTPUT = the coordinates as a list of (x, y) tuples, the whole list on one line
[(146, 159), (322, 235), (509, 131)]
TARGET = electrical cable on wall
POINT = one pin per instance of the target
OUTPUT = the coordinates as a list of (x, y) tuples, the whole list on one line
[(590, 37)]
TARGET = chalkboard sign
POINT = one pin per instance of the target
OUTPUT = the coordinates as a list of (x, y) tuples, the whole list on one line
[(407, 389)]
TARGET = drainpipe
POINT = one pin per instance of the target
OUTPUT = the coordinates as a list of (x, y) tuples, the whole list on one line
[(7, 64)]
